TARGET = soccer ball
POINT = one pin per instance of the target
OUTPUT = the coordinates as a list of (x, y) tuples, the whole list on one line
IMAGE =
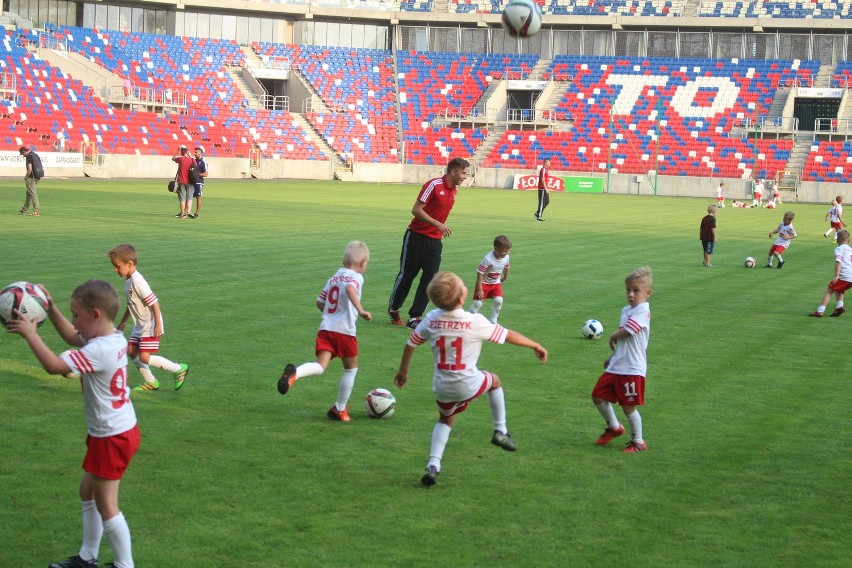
[(521, 18), (749, 262), (380, 403), (69, 374), (25, 297), (592, 329)]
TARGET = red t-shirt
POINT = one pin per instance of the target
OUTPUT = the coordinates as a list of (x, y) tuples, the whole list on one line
[(439, 198), (183, 163), (542, 177)]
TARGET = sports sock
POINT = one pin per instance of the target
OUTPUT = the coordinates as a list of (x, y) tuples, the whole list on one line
[(308, 370), (144, 370), (118, 536), (440, 437), (497, 402), (163, 363), (93, 528), (839, 304), (495, 311), (821, 309), (608, 413), (769, 260), (474, 307), (635, 421), (347, 381), (779, 258)]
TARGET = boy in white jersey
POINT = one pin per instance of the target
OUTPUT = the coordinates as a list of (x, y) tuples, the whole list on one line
[(113, 434), (340, 304), (786, 233), (142, 303), (842, 280), (490, 275), (720, 195), (623, 380), (456, 339), (835, 217)]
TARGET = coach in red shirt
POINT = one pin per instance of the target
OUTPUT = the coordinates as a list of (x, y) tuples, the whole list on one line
[(543, 197), (422, 244)]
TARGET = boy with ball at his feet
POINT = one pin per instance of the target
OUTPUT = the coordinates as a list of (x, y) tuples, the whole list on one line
[(340, 304), (456, 338), (113, 434), (623, 380)]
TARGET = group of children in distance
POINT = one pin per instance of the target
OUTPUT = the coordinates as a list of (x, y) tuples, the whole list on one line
[(101, 364), (784, 233), (456, 337)]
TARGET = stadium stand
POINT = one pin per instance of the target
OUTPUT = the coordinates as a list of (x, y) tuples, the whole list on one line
[(829, 161), (692, 103)]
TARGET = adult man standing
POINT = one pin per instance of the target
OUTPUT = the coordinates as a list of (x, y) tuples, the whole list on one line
[(422, 244), (201, 167), (183, 187), (543, 197), (35, 171)]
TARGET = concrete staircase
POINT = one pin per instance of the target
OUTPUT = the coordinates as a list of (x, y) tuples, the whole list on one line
[(82, 69), (541, 67), (826, 72), (494, 135)]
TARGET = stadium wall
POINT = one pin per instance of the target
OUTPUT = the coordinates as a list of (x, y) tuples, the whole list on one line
[(162, 167)]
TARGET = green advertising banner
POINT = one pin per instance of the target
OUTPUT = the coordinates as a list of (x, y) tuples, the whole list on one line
[(583, 184)]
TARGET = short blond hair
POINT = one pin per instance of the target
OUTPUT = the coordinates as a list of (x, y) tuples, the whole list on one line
[(446, 290), (98, 294), (355, 253), (789, 216), (712, 209), (123, 253), (642, 275)]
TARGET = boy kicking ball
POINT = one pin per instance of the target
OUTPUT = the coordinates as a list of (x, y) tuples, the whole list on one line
[(456, 337)]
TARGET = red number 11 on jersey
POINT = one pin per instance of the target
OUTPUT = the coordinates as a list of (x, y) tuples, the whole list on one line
[(456, 345)]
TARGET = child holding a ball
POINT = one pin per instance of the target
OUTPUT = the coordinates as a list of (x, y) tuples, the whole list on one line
[(340, 304), (456, 337), (623, 380), (113, 434)]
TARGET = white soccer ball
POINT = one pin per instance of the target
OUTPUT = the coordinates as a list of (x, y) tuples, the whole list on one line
[(70, 374), (380, 403), (25, 297), (592, 329), (521, 18), (749, 262)]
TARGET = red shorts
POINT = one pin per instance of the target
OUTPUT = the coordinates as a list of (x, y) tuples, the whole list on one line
[(776, 249), (457, 407), (109, 457), (836, 225), (338, 344), (758, 195), (146, 344), (492, 290), (839, 285), (626, 390)]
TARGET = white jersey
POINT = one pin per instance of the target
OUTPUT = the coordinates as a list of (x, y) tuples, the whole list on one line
[(102, 366), (491, 268), (339, 314), (835, 213), (140, 298), (456, 338), (843, 255), (630, 356), (787, 230)]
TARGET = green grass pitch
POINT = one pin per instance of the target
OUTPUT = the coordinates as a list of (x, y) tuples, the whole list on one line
[(745, 418)]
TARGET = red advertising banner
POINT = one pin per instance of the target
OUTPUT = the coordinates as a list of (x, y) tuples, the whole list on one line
[(525, 182)]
